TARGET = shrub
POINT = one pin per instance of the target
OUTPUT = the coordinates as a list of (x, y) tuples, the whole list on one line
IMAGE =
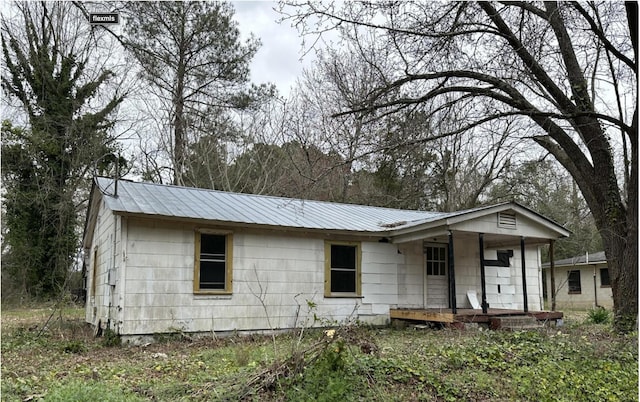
[(599, 315)]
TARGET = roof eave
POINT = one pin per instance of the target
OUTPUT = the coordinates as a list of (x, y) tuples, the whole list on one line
[(245, 225)]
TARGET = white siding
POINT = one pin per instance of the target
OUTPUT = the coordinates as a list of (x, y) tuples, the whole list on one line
[(467, 276), (587, 297), (275, 275), (411, 275), (103, 304), (282, 272), (379, 278)]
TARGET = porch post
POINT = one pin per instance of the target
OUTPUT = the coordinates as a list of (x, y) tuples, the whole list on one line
[(452, 277), (482, 277), (552, 268), (524, 275)]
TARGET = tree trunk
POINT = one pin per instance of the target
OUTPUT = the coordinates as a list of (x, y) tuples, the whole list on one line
[(178, 143), (621, 248), (622, 257)]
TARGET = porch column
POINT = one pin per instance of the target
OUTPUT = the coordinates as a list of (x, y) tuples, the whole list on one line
[(452, 277), (524, 276), (552, 267), (482, 278)]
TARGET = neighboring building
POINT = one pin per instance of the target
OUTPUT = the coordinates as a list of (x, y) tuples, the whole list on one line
[(164, 258), (582, 282)]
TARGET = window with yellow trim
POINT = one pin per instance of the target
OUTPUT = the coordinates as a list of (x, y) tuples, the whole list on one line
[(342, 269), (213, 272)]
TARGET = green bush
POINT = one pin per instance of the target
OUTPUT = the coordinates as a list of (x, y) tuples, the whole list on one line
[(599, 315)]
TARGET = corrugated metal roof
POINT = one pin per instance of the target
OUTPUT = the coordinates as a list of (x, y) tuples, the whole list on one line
[(212, 205), (593, 258)]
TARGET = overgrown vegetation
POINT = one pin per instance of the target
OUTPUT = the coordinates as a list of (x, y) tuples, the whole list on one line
[(580, 361), (51, 75)]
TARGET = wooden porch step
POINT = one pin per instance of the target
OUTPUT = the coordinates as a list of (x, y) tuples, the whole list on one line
[(422, 315), (515, 323)]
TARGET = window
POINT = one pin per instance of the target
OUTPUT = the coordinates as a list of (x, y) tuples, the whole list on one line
[(436, 260), (213, 263), (605, 282), (342, 269), (574, 282)]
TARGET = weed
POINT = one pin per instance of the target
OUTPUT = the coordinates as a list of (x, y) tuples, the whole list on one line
[(111, 339), (81, 391), (599, 315), (584, 362), (242, 355), (325, 379), (74, 346)]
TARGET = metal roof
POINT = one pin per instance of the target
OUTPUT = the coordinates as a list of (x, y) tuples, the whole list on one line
[(593, 258), (221, 206)]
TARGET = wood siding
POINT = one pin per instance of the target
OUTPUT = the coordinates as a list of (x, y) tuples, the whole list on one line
[(103, 279), (411, 275), (282, 272), (276, 277)]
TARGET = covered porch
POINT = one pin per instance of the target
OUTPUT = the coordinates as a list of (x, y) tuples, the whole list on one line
[(476, 266)]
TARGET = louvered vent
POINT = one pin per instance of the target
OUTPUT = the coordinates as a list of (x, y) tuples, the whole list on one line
[(507, 220)]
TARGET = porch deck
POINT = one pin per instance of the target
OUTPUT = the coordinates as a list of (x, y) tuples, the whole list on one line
[(468, 315)]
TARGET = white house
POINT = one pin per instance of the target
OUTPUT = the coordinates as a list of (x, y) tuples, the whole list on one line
[(162, 258), (581, 282)]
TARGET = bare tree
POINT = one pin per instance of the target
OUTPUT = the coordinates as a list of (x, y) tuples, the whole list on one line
[(570, 68)]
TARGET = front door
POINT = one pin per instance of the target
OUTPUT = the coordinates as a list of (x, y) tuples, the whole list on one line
[(436, 284)]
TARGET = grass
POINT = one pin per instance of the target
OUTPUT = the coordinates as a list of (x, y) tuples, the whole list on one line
[(580, 361)]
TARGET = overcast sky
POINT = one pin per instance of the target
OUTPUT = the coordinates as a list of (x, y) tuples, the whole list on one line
[(278, 60)]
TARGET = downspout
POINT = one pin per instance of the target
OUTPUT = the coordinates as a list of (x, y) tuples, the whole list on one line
[(595, 286)]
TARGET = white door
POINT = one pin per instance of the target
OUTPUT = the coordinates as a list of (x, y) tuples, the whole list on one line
[(436, 284)]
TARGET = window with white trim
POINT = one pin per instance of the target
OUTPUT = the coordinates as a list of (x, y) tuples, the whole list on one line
[(436, 259)]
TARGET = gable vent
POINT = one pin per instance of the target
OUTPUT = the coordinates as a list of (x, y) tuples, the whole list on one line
[(507, 220)]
